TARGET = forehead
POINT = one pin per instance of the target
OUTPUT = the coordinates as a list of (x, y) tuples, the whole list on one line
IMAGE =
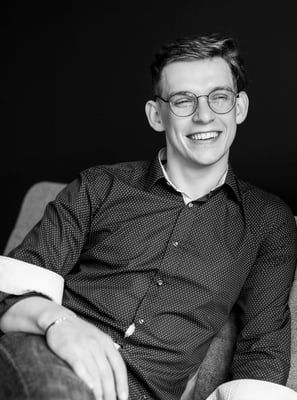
[(196, 76)]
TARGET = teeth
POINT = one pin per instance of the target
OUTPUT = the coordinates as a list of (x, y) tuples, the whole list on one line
[(204, 136)]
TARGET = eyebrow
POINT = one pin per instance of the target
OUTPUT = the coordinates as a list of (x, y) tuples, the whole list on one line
[(189, 91)]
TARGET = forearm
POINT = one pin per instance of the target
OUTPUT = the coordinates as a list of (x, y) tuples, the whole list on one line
[(32, 315), (88, 350)]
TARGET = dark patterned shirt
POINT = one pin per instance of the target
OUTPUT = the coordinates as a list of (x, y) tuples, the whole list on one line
[(132, 253)]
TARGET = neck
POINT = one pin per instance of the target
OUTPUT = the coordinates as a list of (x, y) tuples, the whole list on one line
[(196, 182)]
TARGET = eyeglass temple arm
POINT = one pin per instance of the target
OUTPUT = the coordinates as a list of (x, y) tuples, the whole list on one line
[(161, 98)]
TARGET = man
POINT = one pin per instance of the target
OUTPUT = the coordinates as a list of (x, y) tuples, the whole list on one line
[(155, 255)]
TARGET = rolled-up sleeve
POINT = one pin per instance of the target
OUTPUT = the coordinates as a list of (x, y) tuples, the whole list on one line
[(18, 278), (263, 345)]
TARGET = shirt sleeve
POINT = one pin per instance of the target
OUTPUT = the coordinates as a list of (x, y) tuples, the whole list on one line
[(52, 248), (263, 344), (18, 277), (56, 242), (256, 390), (8, 300)]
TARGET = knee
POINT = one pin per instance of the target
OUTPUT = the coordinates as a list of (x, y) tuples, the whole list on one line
[(30, 370)]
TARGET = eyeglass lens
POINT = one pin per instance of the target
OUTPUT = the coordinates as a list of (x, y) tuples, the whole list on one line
[(220, 101)]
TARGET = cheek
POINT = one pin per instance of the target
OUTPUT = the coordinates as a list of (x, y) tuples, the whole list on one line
[(230, 125), (173, 124), (166, 121), (231, 131)]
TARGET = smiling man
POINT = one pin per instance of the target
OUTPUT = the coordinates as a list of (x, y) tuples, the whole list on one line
[(154, 256), (199, 117)]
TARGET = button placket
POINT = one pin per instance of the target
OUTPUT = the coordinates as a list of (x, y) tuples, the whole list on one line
[(169, 263)]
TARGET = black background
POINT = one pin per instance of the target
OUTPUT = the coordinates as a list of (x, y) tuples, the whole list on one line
[(75, 78)]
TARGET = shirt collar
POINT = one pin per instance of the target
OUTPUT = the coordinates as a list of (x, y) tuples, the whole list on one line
[(232, 183), (157, 171), (154, 173)]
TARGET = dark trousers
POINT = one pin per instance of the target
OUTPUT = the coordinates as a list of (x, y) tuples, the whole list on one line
[(29, 370)]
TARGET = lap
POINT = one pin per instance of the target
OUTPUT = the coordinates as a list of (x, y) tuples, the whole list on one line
[(30, 370)]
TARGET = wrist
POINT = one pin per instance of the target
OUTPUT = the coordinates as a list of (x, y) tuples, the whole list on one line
[(58, 321), (51, 316)]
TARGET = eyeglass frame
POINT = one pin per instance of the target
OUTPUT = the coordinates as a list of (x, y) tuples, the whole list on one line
[(236, 95)]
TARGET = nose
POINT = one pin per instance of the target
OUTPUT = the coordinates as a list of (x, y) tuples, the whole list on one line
[(203, 113)]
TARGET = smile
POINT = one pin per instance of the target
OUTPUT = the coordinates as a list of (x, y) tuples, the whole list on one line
[(204, 135)]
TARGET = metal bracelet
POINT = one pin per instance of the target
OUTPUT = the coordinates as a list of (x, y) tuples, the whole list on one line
[(57, 321)]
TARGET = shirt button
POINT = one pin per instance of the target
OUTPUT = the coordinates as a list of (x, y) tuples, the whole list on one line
[(175, 244), (190, 205), (160, 282), (141, 321)]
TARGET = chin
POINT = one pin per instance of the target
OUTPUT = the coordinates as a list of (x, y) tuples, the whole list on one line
[(206, 162)]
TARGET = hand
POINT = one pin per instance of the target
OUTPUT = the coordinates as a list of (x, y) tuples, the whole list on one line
[(92, 355)]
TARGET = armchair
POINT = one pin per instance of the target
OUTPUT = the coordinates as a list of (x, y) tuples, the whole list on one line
[(212, 371)]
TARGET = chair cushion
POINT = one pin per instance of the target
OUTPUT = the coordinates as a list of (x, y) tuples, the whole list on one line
[(32, 208)]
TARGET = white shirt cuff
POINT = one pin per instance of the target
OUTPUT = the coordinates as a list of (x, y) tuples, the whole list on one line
[(252, 389), (18, 277)]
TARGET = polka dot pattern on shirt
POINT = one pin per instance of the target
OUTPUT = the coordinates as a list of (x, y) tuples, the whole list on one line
[(133, 253)]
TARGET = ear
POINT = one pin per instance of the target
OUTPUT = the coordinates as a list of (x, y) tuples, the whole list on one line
[(242, 106), (153, 115)]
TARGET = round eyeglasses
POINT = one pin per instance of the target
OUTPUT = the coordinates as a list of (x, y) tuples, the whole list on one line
[(184, 104)]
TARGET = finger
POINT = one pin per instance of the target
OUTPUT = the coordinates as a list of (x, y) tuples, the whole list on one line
[(120, 373), (105, 375), (102, 376), (87, 370), (83, 373)]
